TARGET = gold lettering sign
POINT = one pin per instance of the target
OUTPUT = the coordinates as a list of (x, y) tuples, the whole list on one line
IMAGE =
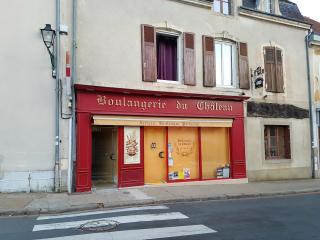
[(213, 106), (158, 104), (124, 102)]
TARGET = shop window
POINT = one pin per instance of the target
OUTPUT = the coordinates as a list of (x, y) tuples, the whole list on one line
[(215, 153), (273, 58), (222, 6), (183, 154), (167, 57), (226, 64), (277, 142)]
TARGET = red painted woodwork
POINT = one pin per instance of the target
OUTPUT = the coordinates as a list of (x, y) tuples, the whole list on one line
[(84, 153), (130, 174), (88, 98), (167, 153), (237, 149)]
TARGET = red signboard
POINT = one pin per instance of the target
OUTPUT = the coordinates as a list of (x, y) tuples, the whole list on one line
[(124, 104)]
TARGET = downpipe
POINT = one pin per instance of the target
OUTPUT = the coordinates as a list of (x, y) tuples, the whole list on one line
[(311, 112), (73, 80), (57, 168)]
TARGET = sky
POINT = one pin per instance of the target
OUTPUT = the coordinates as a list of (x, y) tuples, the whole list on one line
[(309, 8)]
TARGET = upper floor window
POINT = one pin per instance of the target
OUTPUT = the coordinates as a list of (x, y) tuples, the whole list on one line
[(269, 6), (273, 64), (222, 6), (167, 57), (226, 64)]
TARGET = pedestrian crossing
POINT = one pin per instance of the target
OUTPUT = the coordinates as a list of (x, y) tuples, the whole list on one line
[(154, 222)]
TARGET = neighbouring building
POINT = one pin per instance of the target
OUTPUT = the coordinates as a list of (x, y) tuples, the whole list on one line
[(314, 65), (27, 100), (164, 91)]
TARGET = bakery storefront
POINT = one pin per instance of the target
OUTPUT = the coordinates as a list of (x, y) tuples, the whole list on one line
[(133, 137)]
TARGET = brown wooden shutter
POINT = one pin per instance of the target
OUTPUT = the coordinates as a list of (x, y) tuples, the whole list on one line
[(189, 59), (244, 77), (149, 59), (270, 69), (279, 71), (287, 143), (209, 69)]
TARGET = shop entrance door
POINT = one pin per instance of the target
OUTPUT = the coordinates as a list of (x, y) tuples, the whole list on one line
[(104, 157), (155, 167)]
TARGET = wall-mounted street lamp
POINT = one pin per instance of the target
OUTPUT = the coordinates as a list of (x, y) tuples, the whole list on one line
[(48, 37)]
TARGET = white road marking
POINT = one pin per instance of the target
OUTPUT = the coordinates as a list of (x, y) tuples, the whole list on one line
[(103, 212), (142, 234), (119, 219), (139, 195)]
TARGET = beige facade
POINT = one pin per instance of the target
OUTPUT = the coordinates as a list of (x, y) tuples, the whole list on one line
[(112, 57)]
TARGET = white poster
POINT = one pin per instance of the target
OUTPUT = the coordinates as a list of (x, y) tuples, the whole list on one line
[(131, 145)]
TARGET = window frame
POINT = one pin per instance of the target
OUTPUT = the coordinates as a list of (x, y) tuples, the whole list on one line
[(221, 3), (179, 37), (267, 140), (234, 63), (269, 6)]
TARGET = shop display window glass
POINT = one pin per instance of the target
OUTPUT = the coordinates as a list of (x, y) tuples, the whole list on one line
[(183, 153), (215, 153)]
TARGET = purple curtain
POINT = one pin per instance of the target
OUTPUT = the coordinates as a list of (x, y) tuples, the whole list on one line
[(167, 59)]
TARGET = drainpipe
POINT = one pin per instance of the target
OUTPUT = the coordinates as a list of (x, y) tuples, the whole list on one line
[(313, 141), (73, 80), (57, 64)]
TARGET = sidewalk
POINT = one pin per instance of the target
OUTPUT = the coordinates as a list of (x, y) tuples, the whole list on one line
[(37, 203)]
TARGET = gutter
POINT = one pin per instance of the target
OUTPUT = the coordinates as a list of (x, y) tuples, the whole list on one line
[(57, 170), (248, 12), (313, 141), (73, 80)]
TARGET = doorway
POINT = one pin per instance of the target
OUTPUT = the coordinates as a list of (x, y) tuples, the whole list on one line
[(155, 156), (104, 156)]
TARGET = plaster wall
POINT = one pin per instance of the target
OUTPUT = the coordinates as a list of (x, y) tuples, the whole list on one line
[(109, 45), (299, 166), (27, 98), (109, 54)]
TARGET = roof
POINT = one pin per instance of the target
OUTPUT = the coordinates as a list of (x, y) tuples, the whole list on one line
[(315, 26), (249, 3), (288, 9)]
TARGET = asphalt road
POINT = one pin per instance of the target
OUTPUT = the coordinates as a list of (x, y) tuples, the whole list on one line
[(290, 217)]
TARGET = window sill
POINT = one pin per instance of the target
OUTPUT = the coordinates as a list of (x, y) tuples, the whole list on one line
[(277, 161), (169, 84), (222, 14), (196, 3), (228, 89)]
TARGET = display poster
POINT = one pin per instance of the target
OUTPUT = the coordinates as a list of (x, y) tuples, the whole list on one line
[(183, 153), (132, 145)]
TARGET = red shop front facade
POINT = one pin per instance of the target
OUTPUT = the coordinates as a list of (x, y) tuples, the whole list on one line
[(133, 137)]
